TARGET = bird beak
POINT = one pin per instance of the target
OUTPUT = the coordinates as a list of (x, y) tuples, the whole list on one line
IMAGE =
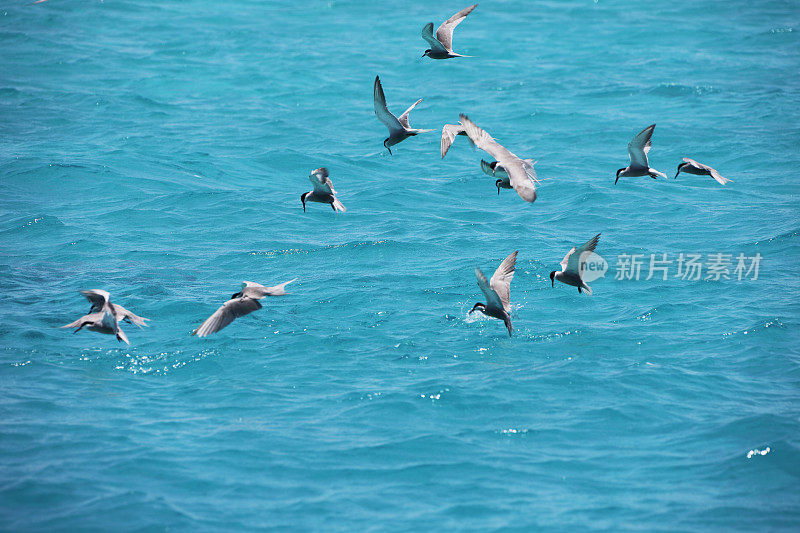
[(676, 175), (616, 180)]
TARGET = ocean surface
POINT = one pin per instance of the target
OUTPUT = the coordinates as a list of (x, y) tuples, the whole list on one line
[(158, 150)]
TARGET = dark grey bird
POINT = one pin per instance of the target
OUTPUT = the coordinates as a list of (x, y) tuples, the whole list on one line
[(323, 191), (572, 266), (442, 43), (104, 316), (691, 166), (637, 150), (521, 175), (497, 292), (242, 303), (399, 128)]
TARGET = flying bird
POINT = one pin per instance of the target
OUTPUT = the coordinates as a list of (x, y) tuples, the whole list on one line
[(497, 292), (323, 191), (572, 266), (100, 298), (104, 316), (691, 166), (638, 149), (399, 128), (442, 44), (242, 303), (521, 175)]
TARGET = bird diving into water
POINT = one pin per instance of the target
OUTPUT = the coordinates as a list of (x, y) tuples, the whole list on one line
[(242, 303), (399, 128), (521, 175), (572, 266), (637, 150), (104, 316), (497, 292), (442, 43), (323, 191)]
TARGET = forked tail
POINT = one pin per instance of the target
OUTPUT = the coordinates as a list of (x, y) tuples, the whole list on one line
[(279, 290)]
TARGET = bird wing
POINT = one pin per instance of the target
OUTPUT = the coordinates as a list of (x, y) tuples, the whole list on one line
[(123, 314), (517, 169), (322, 183), (444, 33), (449, 132), (427, 34), (86, 319), (403, 119), (501, 280), (639, 146), (527, 164), (487, 168), (694, 163), (97, 297), (381, 111), (492, 298), (338, 206), (572, 261), (227, 312)]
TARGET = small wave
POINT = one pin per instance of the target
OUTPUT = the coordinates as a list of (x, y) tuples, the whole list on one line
[(780, 237), (150, 102), (774, 323), (678, 89), (37, 222), (300, 251)]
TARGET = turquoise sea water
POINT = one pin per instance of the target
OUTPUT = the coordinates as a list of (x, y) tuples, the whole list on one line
[(158, 150)]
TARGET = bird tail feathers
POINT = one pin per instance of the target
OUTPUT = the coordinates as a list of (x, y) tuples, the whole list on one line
[(279, 290)]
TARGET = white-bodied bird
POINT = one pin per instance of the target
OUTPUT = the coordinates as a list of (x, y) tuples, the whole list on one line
[(497, 292), (323, 191), (521, 175), (242, 303), (691, 166), (399, 127), (104, 316), (637, 150), (442, 43), (572, 266)]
